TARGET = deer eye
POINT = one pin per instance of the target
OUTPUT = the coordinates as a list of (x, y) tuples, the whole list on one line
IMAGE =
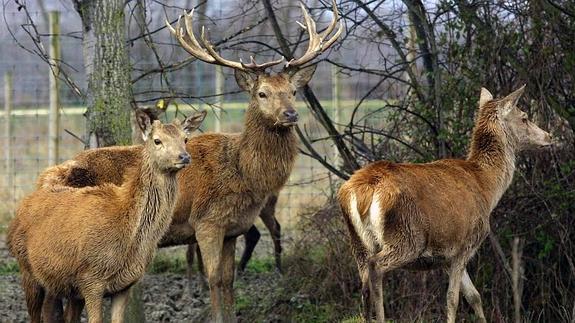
[(157, 142), (186, 141), (262, 95)]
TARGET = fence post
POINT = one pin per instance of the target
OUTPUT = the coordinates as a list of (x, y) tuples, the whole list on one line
[(8, 126), (219, 98), (336, 92), (54, 115)]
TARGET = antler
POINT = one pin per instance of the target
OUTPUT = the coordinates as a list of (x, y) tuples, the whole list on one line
[(317, 42), (205, 50)]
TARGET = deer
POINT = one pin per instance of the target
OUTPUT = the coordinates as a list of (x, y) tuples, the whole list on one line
[(436, 215), (86, 243), (240, 171)]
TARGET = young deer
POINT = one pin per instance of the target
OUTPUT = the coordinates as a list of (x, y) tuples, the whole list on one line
[(84, 243), (435, 215)]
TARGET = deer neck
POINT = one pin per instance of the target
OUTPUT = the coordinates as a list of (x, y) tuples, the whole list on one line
[(266, 152), (495, 155), (153, 193)]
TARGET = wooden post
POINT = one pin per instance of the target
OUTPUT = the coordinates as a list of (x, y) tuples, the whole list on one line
[(8, 127), (219, 99), (54, 115), (336, 93)]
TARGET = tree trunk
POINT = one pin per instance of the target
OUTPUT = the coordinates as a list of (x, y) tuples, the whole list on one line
[(108, 72), (109, 92)]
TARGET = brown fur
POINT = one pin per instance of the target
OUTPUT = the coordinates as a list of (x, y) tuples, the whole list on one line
[(425, 216), (93, 241)]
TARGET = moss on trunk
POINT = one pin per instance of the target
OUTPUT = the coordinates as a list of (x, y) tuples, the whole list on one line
[(108, 71)]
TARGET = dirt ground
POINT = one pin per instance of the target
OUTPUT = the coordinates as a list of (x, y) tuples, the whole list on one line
[(166, 297)]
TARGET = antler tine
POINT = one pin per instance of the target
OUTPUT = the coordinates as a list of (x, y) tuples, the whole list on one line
[(188, 22), (255, 66), (333, 22), (183, 36), (317, 42), (218, 59)]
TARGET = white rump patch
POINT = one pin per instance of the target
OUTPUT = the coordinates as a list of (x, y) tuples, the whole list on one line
[(365, 230), (375, 217)]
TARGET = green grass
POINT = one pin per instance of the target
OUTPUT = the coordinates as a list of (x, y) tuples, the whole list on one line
[(168, 263), (306, 311), (261, 265), (353, 319), (9, 268)]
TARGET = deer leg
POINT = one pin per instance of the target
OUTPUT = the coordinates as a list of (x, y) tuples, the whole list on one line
[(93, 294), (119, 303), (276, 236), (211, 241), (252, 237), (455, 274), (389, 258), (228, 270), (190, 252), (472, 296), (365, 299), (52, 309), (203, 280), (360, 254), (268, 217), (73, 310), (34, 296), (193, 250)]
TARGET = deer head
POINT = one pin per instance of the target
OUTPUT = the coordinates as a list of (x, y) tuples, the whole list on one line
[(272, 94), (166, 143), (520, 131)]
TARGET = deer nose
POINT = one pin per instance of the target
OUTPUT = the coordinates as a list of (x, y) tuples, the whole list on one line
[(291, 115), (185, 158)]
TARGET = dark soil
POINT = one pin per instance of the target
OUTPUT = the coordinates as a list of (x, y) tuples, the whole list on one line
[(166, 296)]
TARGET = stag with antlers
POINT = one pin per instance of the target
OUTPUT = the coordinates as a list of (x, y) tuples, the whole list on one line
[(233, 175)]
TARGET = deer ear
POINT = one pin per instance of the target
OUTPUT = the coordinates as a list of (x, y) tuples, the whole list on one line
[(245, 80), (194, 121), (509, 102), (302, 76), (514, 97), (144, 123), (485, 96)]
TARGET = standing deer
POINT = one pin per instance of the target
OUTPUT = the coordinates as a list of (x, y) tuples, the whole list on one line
[(240, 171), (85, 243), (435, 215)]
